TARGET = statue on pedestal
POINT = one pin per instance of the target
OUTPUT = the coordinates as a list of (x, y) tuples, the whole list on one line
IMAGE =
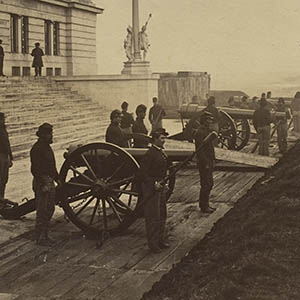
[(128, 44), (143, 39)]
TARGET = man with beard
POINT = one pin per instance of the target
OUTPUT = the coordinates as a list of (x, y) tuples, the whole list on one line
[(43, 169), (5, 156)]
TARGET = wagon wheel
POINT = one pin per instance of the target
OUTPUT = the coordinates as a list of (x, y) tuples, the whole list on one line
[(242, 133), (227, 131), (99, 192)]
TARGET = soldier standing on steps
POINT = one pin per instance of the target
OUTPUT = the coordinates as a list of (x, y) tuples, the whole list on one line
[(153, 170), (205, 161), (5, 156), (43, 169), (37, 63)]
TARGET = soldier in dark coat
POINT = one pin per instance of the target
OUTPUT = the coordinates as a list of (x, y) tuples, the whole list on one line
[(205, 161), (156, 114), (37, 63), (139, 127), (262, 124), (43, 169), (1, 59), (153, 170), (114, 133), (282, 127), (127, 118), (5, 156)]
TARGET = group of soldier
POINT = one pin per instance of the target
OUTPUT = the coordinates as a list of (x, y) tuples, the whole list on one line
[(154, 165)]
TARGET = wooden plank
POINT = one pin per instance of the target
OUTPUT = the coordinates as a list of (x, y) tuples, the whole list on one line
[(245, 158)]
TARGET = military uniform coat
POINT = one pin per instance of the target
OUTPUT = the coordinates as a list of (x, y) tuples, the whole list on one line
[(37, 54)]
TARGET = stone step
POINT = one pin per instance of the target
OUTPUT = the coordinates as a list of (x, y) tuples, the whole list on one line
[(28, 129), (53, 117), (71, 128)]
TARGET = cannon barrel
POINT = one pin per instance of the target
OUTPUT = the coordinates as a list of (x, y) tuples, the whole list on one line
[(189, 110)]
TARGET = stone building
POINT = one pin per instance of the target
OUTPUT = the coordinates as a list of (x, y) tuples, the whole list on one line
[(66, 30)]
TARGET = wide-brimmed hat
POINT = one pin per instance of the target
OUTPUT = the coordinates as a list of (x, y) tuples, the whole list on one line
[(45, 128)]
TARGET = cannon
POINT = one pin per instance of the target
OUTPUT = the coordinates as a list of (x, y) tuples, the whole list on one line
[(234, 126), (101, 190)]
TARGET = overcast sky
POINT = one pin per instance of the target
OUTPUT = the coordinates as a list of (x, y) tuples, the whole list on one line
[(249, 45)]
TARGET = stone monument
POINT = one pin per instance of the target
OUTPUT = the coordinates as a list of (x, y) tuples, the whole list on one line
[(135, 64)]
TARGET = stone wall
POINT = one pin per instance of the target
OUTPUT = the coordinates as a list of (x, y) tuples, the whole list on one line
[(77, 22), (111, 90), (175, 89)]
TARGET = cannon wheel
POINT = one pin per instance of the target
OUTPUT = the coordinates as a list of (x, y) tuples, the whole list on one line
[(227, 131), (100, 192), (242, 133)]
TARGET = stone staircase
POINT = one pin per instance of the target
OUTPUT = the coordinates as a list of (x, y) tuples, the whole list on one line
[(30, 102)]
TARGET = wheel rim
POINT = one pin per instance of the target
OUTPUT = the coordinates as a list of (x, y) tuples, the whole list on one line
[(227, 132), (242, 133), (99, 193)]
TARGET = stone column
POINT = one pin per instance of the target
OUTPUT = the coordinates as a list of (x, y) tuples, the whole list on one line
[(135, 28)]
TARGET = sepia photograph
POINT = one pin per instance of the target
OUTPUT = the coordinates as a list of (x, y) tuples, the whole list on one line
[(149, 150)]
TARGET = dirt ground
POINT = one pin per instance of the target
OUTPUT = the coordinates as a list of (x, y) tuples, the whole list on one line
[(253, 252)]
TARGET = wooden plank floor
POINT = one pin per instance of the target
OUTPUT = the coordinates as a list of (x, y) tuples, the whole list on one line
[(123, 268)]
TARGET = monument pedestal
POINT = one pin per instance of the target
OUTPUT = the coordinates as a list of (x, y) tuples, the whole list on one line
[(137, 68)]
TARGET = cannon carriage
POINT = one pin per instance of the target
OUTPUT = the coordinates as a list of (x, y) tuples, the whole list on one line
[(234, 124), (101, 189)]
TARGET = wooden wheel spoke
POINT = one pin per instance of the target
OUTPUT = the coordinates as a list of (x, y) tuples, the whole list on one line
[(94, 211), (82, 175), (118, 201), (114, 209), (84, 206), (124, 192), (78, 184), (88, 166), (80, 196), (116, 172), (121, 182), (223, 144), (123, 189)]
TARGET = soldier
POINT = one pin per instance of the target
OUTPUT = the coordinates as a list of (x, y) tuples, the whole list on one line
[(211, 108), (205, 161), (127, 119), (282, 127), (153, 170), (37, 63), (262, 125), (139, 126), (156, 115), (5, 156), (114, 133), (43, 169)]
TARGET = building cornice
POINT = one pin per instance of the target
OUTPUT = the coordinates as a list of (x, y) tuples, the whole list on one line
[(75, 4)]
